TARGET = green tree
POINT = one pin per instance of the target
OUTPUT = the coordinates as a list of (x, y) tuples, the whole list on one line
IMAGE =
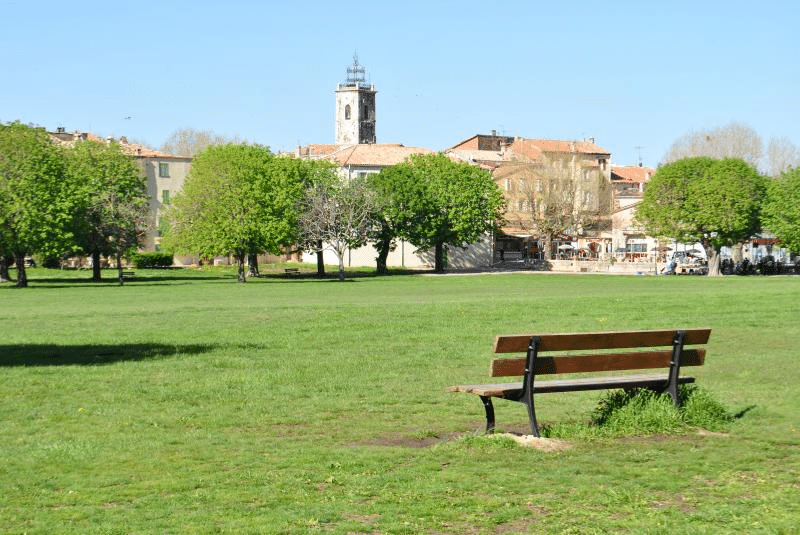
[(434, 202), (36, 203), (714, 202), (725, 206), (113, 202), (781, 208), (237, 199), (663, 211)]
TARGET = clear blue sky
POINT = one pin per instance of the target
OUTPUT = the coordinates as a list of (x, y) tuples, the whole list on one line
[(628, 73)]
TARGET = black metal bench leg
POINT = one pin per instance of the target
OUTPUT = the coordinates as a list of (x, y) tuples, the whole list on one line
[(675, 366), (487, 405), (532, 417)]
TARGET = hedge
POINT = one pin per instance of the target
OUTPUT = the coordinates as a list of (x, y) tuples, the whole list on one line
[(151, 260)]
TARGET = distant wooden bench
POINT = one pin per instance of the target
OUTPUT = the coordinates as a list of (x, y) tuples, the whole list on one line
[(128, 274), (666, 350), (291, 271)]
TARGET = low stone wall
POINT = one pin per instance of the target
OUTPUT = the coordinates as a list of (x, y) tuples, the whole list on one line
[(604, 266)]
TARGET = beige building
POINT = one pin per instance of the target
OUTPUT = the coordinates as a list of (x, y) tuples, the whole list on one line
[(628, 183), (165, 174), (522, 168)]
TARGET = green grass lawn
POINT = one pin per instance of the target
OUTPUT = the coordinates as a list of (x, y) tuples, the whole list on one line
[(184, 402)]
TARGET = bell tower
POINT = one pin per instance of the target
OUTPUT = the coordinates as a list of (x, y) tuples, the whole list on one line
[(355, 107)]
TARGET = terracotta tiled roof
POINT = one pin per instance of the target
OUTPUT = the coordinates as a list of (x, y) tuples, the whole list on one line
[(143, 152), (632, 173), (466, 155), (378, 154), (134, 149), (533, 148), (467, 144)]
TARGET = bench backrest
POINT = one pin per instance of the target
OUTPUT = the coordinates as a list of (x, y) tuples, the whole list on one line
[(658, 355)]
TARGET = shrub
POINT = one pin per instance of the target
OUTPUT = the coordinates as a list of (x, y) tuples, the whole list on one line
[(51, 262), (151, 260)]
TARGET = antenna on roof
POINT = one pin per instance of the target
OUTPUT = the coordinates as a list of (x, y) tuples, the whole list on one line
[(639, 150)]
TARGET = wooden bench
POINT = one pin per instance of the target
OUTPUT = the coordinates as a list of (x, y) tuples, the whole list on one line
[(291, 271), (128, 274), (666, 349)]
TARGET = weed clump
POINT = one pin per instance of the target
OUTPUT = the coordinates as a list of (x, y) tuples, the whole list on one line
[(641, 411)]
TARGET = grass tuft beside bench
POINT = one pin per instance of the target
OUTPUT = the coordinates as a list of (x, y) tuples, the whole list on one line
[(666, 349)]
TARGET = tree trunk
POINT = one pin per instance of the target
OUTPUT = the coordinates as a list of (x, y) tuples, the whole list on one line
[(240, 257), (712, 253), (4, 275), (440, 258), (736, 252), (548, 247), (384, 245), (96, 274), (341, 268), (320, 261), (120, 276), (383, 255), (252, 261), (22, 276)]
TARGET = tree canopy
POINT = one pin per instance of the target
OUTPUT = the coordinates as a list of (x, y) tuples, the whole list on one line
[(714, 202), (190, 142), (237, 199), (338, 215), (112, 201), (559, 196), (734, 140), (434, 202), (663, 211), (36, 205), (781, 209)]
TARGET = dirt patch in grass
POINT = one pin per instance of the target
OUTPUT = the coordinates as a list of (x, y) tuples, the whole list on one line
[(677, 502), (539, 443), (427, 440), (409, 440)]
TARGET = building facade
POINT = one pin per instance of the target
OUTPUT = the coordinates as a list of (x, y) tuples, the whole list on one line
[(564, 181)]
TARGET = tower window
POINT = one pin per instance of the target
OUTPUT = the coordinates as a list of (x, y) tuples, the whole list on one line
[(347, 112)]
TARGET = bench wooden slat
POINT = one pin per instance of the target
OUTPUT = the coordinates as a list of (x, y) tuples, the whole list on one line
[(596, 362), (598, 340), (512, 390)]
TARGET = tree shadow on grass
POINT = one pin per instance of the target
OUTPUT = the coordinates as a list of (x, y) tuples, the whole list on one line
[(57, 282), (91, 355)]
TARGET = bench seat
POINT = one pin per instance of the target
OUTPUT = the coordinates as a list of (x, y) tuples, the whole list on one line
[(514, 390)]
